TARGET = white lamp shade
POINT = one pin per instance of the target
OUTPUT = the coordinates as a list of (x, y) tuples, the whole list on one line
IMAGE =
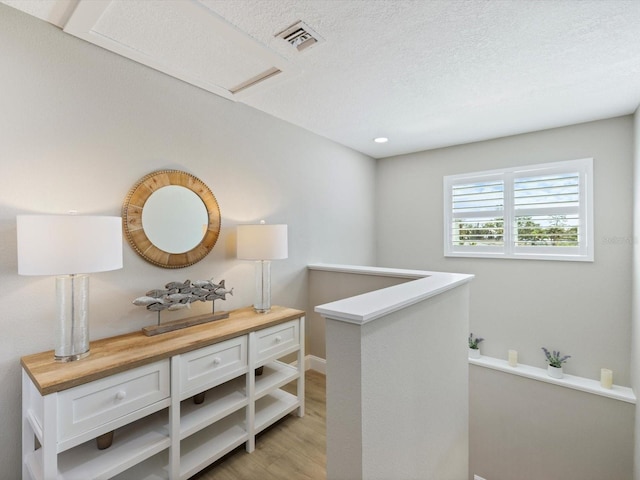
[(262, 242), (68, 244)]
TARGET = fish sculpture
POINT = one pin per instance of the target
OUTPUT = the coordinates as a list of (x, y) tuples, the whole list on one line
[(223, 292), (157, 307), (145, 301), (179, 295), (157, 293), (178, 306)]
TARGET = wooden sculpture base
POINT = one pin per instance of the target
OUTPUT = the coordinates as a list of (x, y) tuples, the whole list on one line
[(183, 323)]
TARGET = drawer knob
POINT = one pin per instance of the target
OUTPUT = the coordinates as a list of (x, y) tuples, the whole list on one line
[(278, 339), (121, 395), (217, 360)]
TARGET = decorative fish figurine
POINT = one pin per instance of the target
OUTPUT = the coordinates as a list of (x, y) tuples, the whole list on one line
[(211, 297), (199, 291), (144, 301), (222, 292), (156, 307), (178, 285), (179, 295), (179, 306), (157, 293)]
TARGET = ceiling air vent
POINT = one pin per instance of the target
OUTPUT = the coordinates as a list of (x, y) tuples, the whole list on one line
[(300, 36)]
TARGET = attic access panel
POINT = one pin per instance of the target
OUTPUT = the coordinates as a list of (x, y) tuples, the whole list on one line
[(182, 38)]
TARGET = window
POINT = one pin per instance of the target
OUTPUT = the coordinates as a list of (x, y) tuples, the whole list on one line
[(538, 212)]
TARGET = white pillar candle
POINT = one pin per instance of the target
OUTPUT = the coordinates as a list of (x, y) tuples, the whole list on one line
[(513, 358), (606, 378)]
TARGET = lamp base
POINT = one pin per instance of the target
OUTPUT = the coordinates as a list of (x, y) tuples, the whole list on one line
[(72, 329), (262, 303), (70, 358)]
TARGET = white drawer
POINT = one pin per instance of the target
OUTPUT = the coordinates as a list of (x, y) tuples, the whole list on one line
[(278, 340), (210, 366), (102, 401)]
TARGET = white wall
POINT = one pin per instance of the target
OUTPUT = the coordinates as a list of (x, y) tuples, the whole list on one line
[(325, 287), (635, 339), (583, 309), (397, 392), (81, 125), (521, 429)]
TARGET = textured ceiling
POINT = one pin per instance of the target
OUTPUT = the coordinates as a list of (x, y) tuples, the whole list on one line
[(432, 73)]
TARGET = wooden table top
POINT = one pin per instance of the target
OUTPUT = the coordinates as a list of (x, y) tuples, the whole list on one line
[(124, 352)]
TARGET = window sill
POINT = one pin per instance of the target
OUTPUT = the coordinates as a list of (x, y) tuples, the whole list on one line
[(523, 256), (624, 394)]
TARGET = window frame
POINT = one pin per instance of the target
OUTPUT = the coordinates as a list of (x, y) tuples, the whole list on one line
[(584, 252)]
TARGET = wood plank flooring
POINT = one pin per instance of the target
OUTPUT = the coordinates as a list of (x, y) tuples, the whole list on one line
[(293, 448)]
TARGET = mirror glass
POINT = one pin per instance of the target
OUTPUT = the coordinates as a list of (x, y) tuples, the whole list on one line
[(174, 219), (171, 219)]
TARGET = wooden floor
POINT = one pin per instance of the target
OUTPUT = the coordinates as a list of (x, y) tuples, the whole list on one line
[(294, 448)]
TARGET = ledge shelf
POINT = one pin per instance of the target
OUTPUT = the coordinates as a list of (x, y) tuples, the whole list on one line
[(624, 394)]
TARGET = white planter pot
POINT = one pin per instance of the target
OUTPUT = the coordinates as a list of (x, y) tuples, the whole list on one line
[(554, 372), (474, 353)]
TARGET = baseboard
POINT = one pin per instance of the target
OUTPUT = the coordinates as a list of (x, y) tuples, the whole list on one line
[(316, 363), (311, 362)]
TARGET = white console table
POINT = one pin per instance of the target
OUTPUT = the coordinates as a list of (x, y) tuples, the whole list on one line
[(142, 388)]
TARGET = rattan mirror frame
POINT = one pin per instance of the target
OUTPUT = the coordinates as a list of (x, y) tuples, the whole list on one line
[(132, 218)]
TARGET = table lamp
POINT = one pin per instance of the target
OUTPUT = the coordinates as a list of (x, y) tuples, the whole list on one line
[(262, 243), (69, 246)]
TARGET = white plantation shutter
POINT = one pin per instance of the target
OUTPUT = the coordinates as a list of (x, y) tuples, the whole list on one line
[(477, 208), (541, 212)]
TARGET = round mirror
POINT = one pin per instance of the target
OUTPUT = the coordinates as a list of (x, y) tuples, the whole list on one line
[(188, 216), (171, 219)]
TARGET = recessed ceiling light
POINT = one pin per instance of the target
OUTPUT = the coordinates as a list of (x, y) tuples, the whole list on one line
[(381, 140)]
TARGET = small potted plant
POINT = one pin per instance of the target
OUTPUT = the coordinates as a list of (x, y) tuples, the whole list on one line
[(555, 361), (474, 349)]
